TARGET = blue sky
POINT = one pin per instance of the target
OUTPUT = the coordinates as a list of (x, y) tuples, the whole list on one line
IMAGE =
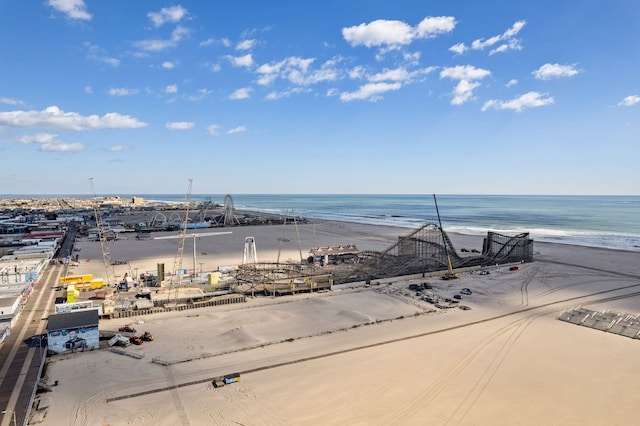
[(362, 96)]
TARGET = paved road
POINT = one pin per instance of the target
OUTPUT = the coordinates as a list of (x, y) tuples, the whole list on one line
[(22, 354)]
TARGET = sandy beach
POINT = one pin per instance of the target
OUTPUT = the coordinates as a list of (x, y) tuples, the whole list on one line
[(369, 355)]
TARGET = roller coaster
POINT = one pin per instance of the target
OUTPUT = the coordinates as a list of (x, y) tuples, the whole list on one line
[(426, 249)]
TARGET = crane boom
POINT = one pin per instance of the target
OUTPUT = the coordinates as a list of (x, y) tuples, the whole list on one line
[(177, 263), (450, 274), (110, 277)]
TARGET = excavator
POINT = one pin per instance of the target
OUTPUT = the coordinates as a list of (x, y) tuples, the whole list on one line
[(449, 275)]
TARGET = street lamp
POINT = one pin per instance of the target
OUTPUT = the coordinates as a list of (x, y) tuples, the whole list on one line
[(14, 416)]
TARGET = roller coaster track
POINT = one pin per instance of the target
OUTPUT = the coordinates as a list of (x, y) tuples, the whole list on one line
[(412, 337)]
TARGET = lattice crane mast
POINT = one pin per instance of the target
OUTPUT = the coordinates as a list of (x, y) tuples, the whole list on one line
[(449, 275), (110, 273), (177, 263)]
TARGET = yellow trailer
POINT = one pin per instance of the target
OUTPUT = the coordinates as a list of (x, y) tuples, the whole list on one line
[(90, 285), (77, 278)]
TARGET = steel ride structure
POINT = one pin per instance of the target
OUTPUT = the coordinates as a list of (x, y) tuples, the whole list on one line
[(230, 218), (110, 273), (426, 249)]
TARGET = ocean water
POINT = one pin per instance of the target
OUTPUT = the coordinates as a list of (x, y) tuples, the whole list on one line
[(596, 221)]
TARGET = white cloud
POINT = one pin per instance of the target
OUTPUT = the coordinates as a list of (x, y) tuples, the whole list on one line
[(464, 72), (213, 129), (511, 82), (171, 14), (38, 138), (241, 93), (241, 61), (287, 93), (246, 44), (459, 48), (207, 42), (528, 100), (180, 33), (55, 118), (119, 148), (467, 76), (172, 88), (399, 74), (88, 90), (433, 25), (370, 91), (297, 71), (504, 41), (393, 34), (168, 65), (74, 9), (48, 142), (10, 101), (630, 101), (235, 130), (123, 91), (411, 58), (62, 147), (463, 91), (180, 125), (379, 33), (199, 95), (155, 45), (549, 71), (356, 73), (99, 55)]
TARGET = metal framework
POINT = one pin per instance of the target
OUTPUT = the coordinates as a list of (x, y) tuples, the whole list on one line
[(177, 263), (427, 249), (230, 218), (504, 249), (110, 273)]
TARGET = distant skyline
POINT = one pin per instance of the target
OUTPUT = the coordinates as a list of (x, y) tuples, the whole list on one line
[(337, 97)]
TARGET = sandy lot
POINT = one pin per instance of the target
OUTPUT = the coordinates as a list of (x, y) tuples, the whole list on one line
[(371, 355)]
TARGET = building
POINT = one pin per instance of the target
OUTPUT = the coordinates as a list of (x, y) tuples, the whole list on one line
[(334, 255), (73, 331)]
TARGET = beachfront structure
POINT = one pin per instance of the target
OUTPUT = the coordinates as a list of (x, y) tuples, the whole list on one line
[(429, 249), (334, 255), (73, 331), (17, 277), (506, 249)]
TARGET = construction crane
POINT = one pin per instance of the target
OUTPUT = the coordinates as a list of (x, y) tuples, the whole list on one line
[(194, 236), (449, 275), (177, 263), (284, 224), (110, 277)]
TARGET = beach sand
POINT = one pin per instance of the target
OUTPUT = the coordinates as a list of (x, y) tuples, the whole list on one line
[(373, 355)]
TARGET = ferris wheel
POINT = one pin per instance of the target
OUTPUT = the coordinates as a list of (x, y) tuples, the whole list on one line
[(230, 218)]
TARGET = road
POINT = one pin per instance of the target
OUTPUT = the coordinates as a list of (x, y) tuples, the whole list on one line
[(22, 353)]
